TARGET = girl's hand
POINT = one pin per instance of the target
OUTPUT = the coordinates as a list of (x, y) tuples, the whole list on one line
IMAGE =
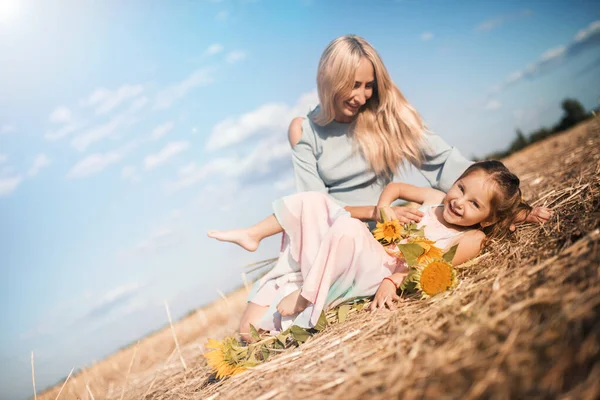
[(384, 296)]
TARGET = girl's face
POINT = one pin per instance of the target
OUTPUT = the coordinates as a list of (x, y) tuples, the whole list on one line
[(346, 108), (468, 202)]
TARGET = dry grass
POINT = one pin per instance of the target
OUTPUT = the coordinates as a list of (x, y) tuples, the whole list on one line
[(523, 322)]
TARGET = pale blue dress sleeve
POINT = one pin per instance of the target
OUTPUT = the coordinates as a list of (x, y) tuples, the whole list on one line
[(304, 160), (443, 164)]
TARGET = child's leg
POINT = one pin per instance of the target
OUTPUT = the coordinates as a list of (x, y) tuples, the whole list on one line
[(252, 315), (249, 238), (292, 304)]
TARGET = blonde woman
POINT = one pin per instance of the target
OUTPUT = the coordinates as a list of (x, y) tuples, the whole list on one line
[(364, 132)]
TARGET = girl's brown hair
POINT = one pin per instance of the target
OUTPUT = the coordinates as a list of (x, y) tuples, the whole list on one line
[(507, 202)]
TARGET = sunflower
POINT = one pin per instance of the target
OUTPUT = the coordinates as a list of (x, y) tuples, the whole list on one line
[(227, 357), (434, 278), (430, 251), (388, 231)]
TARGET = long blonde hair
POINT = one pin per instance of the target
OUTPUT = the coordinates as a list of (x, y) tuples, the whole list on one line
[(387, 130)]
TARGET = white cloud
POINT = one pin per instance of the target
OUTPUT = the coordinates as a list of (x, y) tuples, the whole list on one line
[(164, 155), (94, 164), (40, 162), (425, 36), (128, 173), (63, 131), (200, 77), (214, 48), (268, 118), (192, 173), (9, 185), (493, 105), (162, 130), (500, 20), (160, 238), (60, 115), (104, 100), (97, 133), (270, 156), (138, 103), (287, 184), (235, 56), (7, 128), (586, 38)]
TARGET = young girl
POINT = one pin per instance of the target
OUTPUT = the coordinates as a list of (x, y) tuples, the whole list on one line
[(328, 256)]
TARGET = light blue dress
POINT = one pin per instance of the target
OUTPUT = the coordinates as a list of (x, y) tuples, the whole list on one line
[(325, 161)]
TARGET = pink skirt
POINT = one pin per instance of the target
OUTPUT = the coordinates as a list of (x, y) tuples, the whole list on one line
[(326, 253)]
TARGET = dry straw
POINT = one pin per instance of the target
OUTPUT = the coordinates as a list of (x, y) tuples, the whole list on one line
[(524, 321)]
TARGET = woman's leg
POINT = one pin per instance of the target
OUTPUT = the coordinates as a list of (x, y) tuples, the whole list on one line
[(249, 238), (252, 315)]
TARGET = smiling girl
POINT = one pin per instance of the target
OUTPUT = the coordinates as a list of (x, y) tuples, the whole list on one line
[(328, 256)]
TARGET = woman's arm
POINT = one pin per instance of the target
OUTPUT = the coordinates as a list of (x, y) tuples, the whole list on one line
[(364, 213), (304, 160), (399, 190), (442, 164)]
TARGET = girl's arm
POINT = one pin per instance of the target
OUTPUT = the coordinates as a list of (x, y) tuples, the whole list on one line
[(469, 246)]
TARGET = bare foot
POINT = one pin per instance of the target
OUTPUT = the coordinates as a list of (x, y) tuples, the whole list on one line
[(240, 237), (292, 304)]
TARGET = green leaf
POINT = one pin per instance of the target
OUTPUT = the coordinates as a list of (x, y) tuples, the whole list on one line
[(409, 284), (264, 352), (300, 334), (282, 337), (322, 322), (343, 313), (449, 255), (254, 333), (411, 251)]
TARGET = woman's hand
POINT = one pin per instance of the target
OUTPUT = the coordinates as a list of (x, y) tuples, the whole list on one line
[(407, 215), (384, 296), (404, 215), (539, 215)]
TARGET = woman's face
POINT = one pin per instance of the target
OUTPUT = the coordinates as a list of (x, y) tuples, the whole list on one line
[(346, 108)]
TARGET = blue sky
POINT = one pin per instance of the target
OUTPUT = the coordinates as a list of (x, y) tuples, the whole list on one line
[(128, 129)]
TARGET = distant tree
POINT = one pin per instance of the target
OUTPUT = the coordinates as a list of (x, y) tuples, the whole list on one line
[(540, 134), (573, 113), (518, 143)]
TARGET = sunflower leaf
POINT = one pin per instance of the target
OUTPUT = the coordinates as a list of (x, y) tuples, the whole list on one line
[(343, 313), (449, 255), (265, 353), (322, 322), (411, 252), (254, 332), (300, 334)]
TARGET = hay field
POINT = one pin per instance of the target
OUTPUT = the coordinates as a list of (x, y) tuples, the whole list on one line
[(524, 321)]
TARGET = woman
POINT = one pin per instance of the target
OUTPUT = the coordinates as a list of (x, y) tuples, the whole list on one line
[(364, 132)]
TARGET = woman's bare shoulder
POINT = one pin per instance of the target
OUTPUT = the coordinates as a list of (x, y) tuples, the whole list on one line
[(295, 131)]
